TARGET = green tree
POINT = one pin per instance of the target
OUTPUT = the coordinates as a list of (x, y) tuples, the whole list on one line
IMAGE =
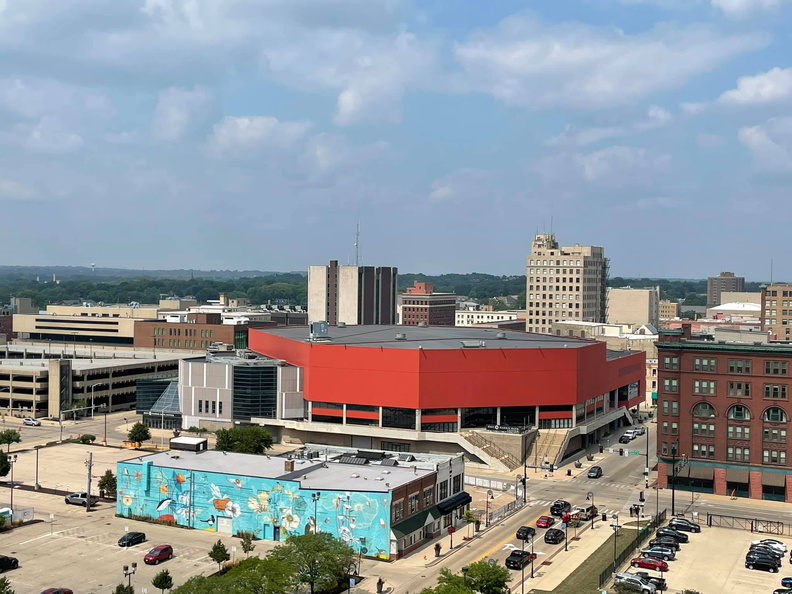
[(626, 588), (108, 484), (139, 433), (5, 465), (87, 438), (470, 518), (319, 559), (9, 436), (163, 581), (481, 577), (224, 440), (5, 586), (262, 576), (219, 554), (124, 589), (250, 439), (247, 542)]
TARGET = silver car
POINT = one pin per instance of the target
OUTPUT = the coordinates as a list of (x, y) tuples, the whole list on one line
[(659, 552), (80, 499), (646, 587)]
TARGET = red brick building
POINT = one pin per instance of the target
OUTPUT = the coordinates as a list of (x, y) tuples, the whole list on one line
[(725, 407), (198, 332), (420, 304)]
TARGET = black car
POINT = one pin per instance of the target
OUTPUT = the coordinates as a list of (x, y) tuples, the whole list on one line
[(560, 507), (525, 532), (8, 563), (595, 472), (131, 538), (769, 558), (763, 550), (680, 537), (684, 525), (761, 562), (665, 541), (782, 591), (624, 439), (519, 559), (554, 536)]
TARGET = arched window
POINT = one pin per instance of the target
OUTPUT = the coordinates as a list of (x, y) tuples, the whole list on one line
[(775, 415), (738, 412), (703, 409)]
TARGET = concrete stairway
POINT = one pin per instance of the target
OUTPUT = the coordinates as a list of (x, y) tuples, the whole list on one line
[(549, 446), (481, 442)]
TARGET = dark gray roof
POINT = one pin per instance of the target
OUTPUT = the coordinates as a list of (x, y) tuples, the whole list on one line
[(433, 337)]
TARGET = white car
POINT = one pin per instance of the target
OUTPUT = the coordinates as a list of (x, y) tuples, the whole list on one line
[(31, 422), (774, 544), (643, 585)]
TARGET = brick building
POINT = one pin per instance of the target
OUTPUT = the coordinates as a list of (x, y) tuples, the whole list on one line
[(725, 406), (421, 304), (776, 313)]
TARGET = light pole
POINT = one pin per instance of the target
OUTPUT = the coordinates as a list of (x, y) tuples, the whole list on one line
[(516, 488), (37, 486), (487, 519), (315, 498), (590, 497), (464, 573), (532, 557), (12, 461), (93, 387), (128, 573), (522, 569), (646, 469), (615, 527), (673, 477), (104, 437)]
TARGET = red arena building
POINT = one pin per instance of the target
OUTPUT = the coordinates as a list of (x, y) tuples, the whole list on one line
[(449, 389)]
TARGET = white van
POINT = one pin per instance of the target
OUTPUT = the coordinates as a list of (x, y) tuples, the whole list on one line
[(631, 433)]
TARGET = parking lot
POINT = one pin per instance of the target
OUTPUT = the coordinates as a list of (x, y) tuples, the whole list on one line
[(714, 561)]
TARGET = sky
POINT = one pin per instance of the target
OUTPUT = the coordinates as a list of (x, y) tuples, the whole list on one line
[(255, 134)]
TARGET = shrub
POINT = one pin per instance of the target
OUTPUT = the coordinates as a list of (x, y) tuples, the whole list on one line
[(87, 438)]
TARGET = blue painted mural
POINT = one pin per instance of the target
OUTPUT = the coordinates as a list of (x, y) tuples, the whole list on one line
[(270, 509)]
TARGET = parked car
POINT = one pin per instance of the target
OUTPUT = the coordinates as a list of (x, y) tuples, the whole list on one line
[(786, 582), (782, 591), (158, 553), (646, 587), (631, 433), (761, 562), (8, 563), (586, 513), (640, 430), (519, 559), (559, 507), (625, 439), (765, 550), (595, 472), (31, 422), (658, 552), (131, 539), (684, 525), (80, 499), (659, 582), (545, 521), (649, 563), (753, 557), (665, 541), (525, 533), (57, 591), (680, 537), (773, 543), (554, 536)]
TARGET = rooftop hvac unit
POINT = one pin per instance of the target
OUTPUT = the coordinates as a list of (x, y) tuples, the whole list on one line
[(401, 336), (472, 344)]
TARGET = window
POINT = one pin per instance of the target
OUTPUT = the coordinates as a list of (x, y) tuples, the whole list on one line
[(703, 387), (738, 454), (775, 435), (674, 428), (774, 457), (738, 412), (665, 427), (703, 409), (703, 364), (775, 367), (775, 391), (738, 432), (220, 408), (706, 429), (442, 491), (214, 405), (742, 389), (457, 487), (664, 449), (674, 407), (429, 497), (670, 385), (200, 406), (665, 407), (671, 363), (739, 366), (398, 510), (413, 503), (775, 415)]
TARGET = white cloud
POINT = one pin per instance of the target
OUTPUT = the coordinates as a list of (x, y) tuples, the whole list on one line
[(614, 166), (241, 136), (656, 117), (741, 8), (768, 87), (179, 111), (13, 190), (533, 64), (770, 144), (693, 108), (47, 136)]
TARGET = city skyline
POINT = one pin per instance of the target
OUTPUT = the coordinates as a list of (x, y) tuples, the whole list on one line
[(255, 135)]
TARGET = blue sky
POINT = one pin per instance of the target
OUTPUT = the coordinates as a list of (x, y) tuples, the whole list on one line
[(242, 134)]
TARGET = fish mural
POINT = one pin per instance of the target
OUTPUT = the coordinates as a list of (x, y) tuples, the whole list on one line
[(212, 501)]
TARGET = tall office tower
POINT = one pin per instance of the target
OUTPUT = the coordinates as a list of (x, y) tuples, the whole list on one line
[(724, 282), (777, 310), (564, 283), (351, 294)]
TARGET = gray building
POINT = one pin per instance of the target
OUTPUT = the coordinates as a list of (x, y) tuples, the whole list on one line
[(724, 282)]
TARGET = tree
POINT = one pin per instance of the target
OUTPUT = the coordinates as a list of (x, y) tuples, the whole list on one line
[(163, 581), (219, 554), (247, 542), (262, 576), (9, 436), (318, 559), (481, 577), (87, 438), (250, 439), (124, 589), (5, 586), (626, 588), (470, 518), (5, 465), (224, 440), (139, 433), (108, 483)]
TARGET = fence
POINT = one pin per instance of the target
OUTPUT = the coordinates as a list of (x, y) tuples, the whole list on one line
[(750, 524), (631, 547), (486, 483), (505, 511)]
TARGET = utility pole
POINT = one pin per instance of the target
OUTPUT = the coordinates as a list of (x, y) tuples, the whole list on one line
[(89, 466)]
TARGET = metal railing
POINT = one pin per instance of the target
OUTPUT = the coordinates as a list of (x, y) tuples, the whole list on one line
[(485, 444), (505, 511), (640, 537), (750, 524)]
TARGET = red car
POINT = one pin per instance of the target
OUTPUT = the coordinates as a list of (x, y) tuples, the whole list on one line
[(545, 521), (158, 553), (649, 563)]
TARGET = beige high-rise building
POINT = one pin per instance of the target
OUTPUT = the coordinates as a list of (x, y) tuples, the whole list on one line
[(669, 309), (777, 311), (634, 306), (564, 283)]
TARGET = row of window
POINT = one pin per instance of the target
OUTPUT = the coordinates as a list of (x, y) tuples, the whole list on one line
[(217, 407), (736, 454), (557, 263), (177, 343), (732, 431), (735, 365), (737, 412), (739, 389)]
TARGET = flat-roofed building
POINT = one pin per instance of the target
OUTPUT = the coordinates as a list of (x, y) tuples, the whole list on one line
[(420, 304), (634, 306), (776, 315), (724, 282), (668, 310)]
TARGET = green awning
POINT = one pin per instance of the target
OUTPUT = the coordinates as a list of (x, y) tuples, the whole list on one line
[(414, 523)]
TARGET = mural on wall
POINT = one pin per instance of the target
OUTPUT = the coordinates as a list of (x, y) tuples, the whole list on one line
[(269, 508)]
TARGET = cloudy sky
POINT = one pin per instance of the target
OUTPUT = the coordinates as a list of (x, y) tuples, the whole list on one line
[(255, 133)]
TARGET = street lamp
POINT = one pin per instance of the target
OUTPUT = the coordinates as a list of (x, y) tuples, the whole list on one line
[(532, 557), (517, 487), (37, 486), (350, 573), (128, 573), (104, 436), (673, 477), (590, 497), (315, 498), (487, 519), (615, 527), (464, 573), (93, 387), (12, 461)]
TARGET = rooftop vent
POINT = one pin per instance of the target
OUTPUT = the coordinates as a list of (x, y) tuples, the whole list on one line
[(472, 344), (401, 336), (355, 475), (379, 478)]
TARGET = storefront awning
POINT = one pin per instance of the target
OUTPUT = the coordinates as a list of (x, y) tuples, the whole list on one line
[(416, 522), (774, 479), (452, 503), (737, 475), (701, 472)]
